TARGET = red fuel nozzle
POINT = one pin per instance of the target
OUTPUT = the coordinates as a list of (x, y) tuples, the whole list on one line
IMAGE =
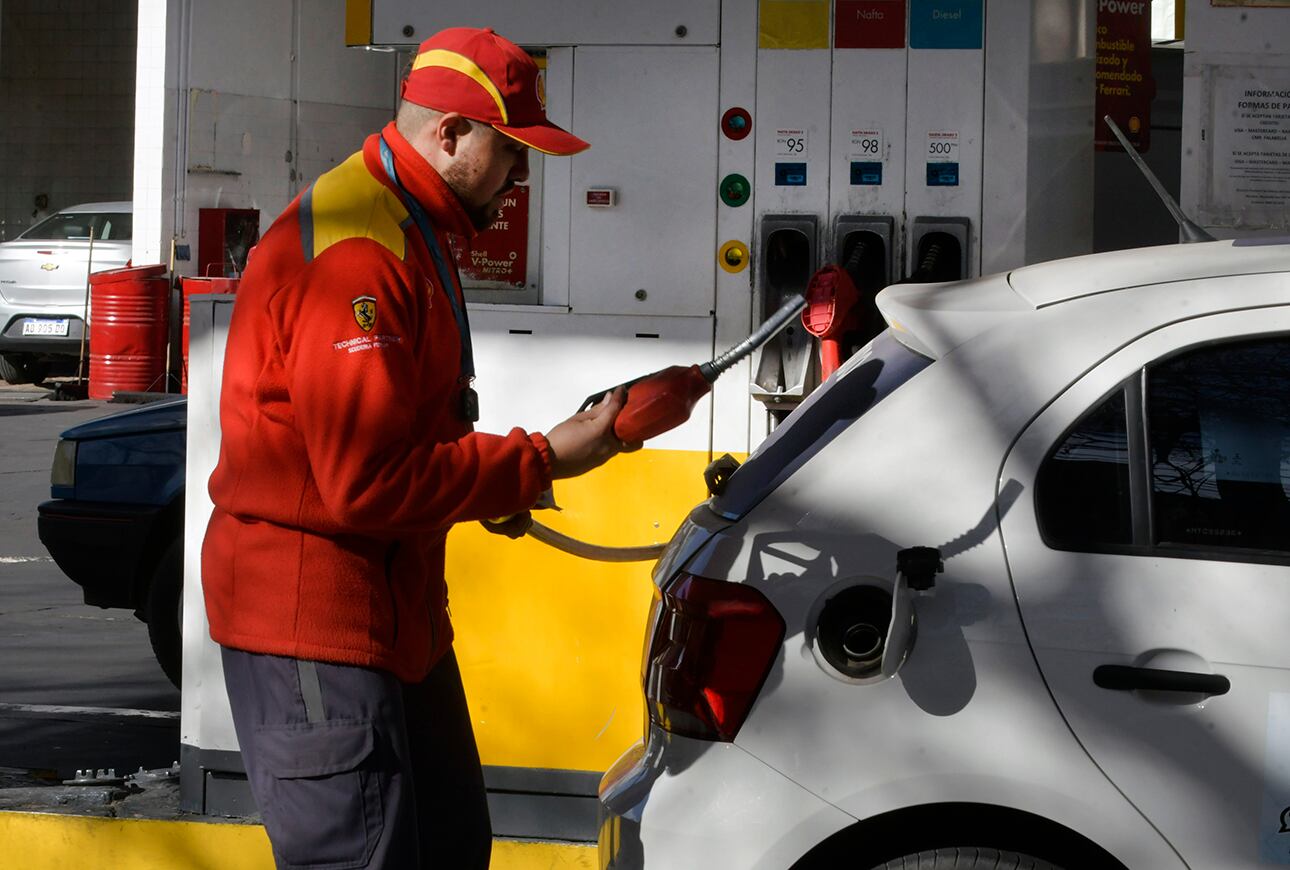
[(831, 307), (659, 402)]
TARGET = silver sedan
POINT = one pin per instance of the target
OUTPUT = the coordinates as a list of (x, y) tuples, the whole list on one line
[(43, 278)]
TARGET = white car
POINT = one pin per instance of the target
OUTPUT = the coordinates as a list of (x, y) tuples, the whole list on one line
[(1098, 451), (43, 276)]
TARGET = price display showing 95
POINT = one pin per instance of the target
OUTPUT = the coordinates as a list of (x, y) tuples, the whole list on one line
[(791, 143)]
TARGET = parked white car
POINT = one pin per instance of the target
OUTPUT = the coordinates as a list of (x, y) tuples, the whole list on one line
[(42, 284), (1098, 451)]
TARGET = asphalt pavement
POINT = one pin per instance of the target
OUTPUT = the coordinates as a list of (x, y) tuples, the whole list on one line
[(79, 687)]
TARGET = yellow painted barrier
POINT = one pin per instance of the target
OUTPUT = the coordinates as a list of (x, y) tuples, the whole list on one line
[(550, 645), (47, 841)]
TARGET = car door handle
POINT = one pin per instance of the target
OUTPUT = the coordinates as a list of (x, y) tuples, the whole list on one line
[(1125, 679)]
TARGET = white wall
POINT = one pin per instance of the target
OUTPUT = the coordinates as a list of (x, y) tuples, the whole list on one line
[(67, 85), (254, 99)]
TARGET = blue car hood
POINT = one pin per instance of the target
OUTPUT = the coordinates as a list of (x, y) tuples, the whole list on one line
[(155, 417)]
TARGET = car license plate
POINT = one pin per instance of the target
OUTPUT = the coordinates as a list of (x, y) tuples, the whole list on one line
[(45, 327)]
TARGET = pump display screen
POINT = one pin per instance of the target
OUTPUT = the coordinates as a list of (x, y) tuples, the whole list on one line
[(874, 373)]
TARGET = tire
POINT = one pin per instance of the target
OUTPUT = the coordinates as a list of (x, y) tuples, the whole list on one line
[(967, 858), (17, 370), (165, 611)]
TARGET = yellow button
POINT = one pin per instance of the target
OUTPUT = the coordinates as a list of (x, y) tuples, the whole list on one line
[(733, 256)]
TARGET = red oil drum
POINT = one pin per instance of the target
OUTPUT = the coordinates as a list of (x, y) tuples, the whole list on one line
[(193, 286), (128, 330)]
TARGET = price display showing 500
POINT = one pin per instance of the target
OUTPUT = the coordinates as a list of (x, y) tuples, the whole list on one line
[(943, 145)]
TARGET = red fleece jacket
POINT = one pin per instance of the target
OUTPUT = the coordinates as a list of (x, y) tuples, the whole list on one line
[(344, 458)]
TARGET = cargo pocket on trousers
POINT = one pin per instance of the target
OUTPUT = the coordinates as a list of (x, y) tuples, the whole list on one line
[(322, 798)]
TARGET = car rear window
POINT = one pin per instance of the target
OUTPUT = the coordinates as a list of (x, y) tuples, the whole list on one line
[(874, 373), (76, 226)]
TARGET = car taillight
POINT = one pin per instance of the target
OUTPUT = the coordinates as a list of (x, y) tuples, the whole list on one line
[(714, 643)]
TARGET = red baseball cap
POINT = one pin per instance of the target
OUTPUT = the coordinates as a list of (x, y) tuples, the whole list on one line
[(487, 78)]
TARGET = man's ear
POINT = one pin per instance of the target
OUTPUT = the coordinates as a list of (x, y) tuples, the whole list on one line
[(449, 130)]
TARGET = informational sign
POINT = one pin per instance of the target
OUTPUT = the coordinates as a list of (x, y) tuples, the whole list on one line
[(942, 146), (945, 24), (869, 24), (942, 155), (1123, 79), (792, 143), (867, 144), (1250, 176), (498, 256)]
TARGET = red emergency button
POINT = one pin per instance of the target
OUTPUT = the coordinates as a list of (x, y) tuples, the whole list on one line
[(736, 123)]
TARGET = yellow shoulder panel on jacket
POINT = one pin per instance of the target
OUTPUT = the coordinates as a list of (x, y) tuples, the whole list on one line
[(348, 203)]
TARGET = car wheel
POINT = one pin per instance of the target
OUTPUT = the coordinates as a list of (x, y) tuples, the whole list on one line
[(17, 370), (165, 611), (967, 858)]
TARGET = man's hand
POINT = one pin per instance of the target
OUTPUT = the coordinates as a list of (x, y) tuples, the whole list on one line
[(586, 440)]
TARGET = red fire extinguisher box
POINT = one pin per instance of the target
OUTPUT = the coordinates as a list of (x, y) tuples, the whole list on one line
[(224, 238)]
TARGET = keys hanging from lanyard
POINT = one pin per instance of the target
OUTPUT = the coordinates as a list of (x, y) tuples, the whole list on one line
[(469, 399)]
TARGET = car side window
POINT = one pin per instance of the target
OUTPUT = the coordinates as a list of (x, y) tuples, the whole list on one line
[(1082, 491), (116, 227), (1218, 441)]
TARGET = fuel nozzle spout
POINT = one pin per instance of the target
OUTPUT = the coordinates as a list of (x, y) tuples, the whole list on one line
[(664, 399), (764, 333)]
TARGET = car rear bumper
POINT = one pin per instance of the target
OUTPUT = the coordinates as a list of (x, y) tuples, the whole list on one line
[(676, 802), (13, 341), (98, 545)]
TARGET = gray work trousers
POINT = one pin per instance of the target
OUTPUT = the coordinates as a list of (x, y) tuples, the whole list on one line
[(351, 768)]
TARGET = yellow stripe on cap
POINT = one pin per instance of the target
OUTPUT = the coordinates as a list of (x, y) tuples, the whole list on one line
[(510, 134), (441, 57)]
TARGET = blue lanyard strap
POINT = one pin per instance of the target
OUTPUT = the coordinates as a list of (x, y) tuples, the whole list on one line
[(441, 266)]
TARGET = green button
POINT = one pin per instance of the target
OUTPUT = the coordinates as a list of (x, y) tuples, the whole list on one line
[(735, 190)]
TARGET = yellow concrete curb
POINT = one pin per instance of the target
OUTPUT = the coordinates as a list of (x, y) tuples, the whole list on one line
[(48, 841)]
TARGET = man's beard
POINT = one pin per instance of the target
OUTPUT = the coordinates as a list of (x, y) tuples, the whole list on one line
[(481, 216)]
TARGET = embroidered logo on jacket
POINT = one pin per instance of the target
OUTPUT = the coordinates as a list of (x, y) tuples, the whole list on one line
[(365, 312)]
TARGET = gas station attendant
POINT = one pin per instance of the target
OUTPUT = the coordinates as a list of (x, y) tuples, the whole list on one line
[(348, 452)]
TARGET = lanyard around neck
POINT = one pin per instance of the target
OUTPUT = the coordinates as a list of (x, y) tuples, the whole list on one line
[(440, 263)]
